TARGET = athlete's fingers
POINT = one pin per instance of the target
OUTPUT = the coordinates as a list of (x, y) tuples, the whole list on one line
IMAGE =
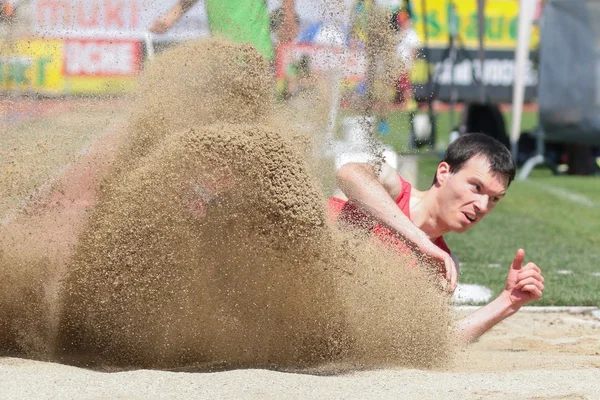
[(529, 281), (533, 274), (534, 290), (527, 273), (519, 257), (443, 283), (448, 268), (532, 266), (525, 281), (454, 282), (451, 273)]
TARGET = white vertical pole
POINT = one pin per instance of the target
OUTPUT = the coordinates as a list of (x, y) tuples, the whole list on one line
[(338, 75), (149, 45), (526, 13), (481, 48)]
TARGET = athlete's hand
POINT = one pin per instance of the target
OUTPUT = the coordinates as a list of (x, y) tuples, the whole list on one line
[(523, 284), (440, 257)]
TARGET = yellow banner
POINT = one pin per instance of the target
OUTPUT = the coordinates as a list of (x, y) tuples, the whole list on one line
[(41, 66), (99, 85), (501, 23), (31, 65)]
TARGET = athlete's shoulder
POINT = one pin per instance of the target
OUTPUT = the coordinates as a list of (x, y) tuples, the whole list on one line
[(391, 180)]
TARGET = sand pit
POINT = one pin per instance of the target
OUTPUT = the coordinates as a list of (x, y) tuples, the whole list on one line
[(149, 285), (530, 356)]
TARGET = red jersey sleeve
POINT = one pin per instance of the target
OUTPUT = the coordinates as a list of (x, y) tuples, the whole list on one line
[(441, 243)]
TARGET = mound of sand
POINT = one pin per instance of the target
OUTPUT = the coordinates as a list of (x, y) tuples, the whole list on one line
[(210, 245), (23, 312), (252, 277), (194, 84)]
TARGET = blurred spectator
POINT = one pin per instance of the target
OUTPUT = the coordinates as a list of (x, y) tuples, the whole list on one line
[(392, 48), (241, 21), (284, 23), (407, 50), (7, 11)]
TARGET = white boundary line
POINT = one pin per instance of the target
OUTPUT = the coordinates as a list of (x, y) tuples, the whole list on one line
[(541, 309), (567, 195)]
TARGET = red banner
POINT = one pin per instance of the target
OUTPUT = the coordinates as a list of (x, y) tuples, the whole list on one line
[(101, 58)]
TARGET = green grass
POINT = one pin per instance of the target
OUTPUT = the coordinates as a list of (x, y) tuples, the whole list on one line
[(557, 233)]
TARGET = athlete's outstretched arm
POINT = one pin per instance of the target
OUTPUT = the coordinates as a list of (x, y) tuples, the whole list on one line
[(523, 285)]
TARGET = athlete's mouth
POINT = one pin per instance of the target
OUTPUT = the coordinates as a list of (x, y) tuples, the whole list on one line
[(470, 217)]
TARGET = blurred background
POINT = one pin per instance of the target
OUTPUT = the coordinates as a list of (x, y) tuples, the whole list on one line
[(455, 62)]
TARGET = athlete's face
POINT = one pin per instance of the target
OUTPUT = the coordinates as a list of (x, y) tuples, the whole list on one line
[(469, 194)]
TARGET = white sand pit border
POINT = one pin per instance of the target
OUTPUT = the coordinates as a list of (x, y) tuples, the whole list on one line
[(546, 309)]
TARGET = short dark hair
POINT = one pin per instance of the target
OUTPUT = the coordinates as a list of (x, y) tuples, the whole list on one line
[(470, 145)]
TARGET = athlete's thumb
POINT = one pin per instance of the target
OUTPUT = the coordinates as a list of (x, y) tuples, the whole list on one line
[(518, 261)]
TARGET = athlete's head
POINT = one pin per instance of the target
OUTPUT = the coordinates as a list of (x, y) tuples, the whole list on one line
[(470, 179)]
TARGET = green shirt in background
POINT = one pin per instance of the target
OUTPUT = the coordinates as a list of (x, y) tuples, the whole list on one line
[(242, 21)]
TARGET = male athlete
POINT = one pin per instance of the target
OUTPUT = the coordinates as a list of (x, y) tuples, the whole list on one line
[(470, 180), (241, 21)]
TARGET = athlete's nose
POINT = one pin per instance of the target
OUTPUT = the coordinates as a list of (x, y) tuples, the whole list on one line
[(481, 205)]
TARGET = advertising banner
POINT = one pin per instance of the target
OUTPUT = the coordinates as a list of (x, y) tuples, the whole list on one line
[(77, 66), (100, 66), (460, 76), (32, 65), (126, 19), (98, 45), (86, 46), (501, 23)]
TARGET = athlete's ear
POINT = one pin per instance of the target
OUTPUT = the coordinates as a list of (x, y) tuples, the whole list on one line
[(443, 172)]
